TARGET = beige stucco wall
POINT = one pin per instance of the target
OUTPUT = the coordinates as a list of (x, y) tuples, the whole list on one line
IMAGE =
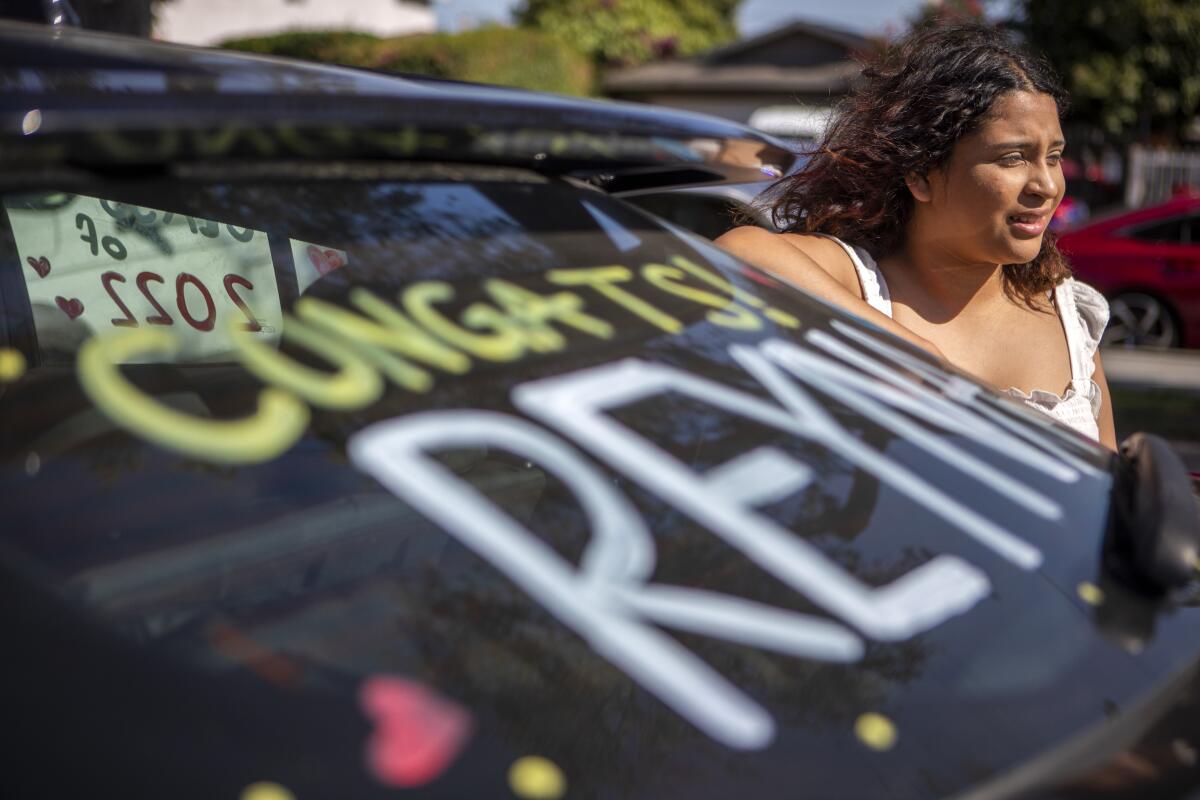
[(207, 22)]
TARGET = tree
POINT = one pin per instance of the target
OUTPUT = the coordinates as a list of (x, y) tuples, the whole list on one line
[(629, 32), (1132, 66)]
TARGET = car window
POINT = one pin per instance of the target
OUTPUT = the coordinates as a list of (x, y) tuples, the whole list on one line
[(707, 215), (1172, 231)]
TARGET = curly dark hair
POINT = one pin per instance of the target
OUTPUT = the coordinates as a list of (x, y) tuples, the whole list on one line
[(914, 102)]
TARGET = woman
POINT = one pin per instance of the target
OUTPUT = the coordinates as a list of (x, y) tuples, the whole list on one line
[(925, 211)]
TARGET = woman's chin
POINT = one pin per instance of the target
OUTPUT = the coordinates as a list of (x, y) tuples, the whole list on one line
[(1024, 251)]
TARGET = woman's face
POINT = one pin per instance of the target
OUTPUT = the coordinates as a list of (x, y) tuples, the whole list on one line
[(994, 197)]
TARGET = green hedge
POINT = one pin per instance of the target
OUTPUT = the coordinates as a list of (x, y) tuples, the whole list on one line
[(333, 47), (506, 56)]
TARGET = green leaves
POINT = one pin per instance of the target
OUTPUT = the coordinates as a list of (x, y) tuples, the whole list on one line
[(507, 56), (1132, 66), (630, 32)]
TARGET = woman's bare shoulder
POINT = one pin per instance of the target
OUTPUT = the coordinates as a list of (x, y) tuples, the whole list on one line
[(783, 253)]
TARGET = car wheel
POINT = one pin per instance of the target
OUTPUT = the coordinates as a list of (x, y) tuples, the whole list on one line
[(1140, 320)]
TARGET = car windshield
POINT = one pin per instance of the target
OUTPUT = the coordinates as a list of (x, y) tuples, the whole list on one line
[(284, 425)]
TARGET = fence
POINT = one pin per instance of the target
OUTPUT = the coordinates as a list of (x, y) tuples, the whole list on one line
[(1155, 174)]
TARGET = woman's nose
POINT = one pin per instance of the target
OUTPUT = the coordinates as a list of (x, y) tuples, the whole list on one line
[(1043, 181)]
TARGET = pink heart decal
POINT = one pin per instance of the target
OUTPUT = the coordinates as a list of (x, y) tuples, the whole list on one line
[(40, 265), (72, 308), (417, 732), (325, 261)]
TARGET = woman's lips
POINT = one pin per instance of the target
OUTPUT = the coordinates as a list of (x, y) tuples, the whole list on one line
[(1028, 225)]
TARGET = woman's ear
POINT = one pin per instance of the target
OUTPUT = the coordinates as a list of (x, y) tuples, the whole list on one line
[(918, 186)]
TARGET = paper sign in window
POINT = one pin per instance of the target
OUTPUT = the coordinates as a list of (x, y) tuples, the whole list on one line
[(92, 266)]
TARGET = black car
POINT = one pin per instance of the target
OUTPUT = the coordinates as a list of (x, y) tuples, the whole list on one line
[(355, 442)]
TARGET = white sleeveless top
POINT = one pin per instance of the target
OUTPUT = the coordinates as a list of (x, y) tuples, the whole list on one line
[(1084, 314)]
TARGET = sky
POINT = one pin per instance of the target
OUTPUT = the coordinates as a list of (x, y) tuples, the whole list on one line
[(754, 16)]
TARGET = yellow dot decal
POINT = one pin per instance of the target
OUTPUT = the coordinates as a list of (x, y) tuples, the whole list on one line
[(265, 790), (12, 364), (536, 778), (875, 731), (1090, 593)]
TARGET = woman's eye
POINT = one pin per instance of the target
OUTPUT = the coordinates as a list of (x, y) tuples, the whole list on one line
[(1011, 160), (1054, 158)]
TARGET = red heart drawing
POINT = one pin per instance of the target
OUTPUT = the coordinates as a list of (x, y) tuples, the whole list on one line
[(325, 261), (40, 265), (72, 308), (417, 732)]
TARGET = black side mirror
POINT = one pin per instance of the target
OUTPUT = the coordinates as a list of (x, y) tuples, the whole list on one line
[(1154, 531)]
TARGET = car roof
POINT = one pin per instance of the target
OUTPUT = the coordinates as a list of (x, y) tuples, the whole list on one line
[(83, 84), (1180, 204)]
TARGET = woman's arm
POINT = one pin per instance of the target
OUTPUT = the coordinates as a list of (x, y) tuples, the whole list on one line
[(791, 259), (1108, 431)]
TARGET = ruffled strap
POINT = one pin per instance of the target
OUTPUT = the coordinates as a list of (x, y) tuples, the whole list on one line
[(1092, 311), (870, 277), (1084, 313)]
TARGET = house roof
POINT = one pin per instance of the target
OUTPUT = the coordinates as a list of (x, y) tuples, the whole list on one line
[(851, 41), (693, 76), (734, 68)]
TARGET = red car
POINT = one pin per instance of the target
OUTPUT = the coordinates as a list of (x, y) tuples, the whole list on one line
[(1147, 262)]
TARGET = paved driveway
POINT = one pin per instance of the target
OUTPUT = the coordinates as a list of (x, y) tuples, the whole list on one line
[(1157, 391)]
